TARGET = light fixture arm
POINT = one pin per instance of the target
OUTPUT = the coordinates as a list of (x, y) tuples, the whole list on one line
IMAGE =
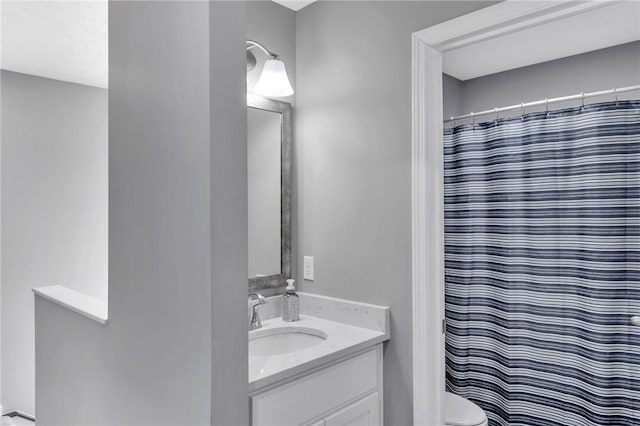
[(251, 44)]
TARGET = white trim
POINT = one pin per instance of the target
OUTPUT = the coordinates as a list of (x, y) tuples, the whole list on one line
[(502, 19), (427, 177), (428, 235)]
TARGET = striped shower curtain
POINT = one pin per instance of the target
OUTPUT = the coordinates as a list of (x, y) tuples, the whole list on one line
[(542, 258)]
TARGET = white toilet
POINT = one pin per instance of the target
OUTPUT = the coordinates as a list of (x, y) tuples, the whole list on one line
[(459, 411)]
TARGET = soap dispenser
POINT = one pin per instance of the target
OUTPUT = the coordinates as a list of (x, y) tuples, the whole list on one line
[(290, 303)]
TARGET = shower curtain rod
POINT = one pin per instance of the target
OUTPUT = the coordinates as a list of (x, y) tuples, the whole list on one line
[(545, 102)]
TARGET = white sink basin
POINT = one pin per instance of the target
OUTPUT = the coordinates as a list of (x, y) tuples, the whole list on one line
[(283, 340)]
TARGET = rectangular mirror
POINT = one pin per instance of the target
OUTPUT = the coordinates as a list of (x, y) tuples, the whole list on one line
[(269, 154)]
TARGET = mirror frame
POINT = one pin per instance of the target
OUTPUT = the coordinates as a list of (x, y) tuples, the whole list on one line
[(286, 190)]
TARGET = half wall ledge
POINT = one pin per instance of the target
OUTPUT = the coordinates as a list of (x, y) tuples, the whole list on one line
[(73, 300)]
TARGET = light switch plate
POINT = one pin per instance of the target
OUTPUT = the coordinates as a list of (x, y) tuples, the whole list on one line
[(308, 268)]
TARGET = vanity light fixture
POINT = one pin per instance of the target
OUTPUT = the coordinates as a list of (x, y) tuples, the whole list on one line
[(273, 81)]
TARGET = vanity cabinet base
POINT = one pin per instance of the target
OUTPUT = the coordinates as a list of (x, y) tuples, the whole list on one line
[(347, 392)]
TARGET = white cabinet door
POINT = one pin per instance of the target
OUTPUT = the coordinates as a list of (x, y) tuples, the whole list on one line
[(312, 396), (365, 412)]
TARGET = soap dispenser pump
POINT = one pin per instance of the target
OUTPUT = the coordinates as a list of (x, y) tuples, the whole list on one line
[(290, 303)]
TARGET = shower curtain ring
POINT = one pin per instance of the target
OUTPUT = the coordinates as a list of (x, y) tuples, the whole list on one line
[(616, 95), (546, 107), (582, 97), (473, 119), (496, 110), (522, 110)]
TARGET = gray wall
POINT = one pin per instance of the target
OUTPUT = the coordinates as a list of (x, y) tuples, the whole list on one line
[(177, 233), (228, 213), (617, 66), (451, 96), (54, 217), (353, 131)]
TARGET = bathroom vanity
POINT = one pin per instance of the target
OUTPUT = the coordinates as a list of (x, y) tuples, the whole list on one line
[(325, 369)]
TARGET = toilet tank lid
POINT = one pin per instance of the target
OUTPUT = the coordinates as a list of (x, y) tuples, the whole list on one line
[(459, 411)]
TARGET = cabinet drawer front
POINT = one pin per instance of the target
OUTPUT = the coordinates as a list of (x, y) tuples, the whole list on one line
[(364, 412), (303, 399)]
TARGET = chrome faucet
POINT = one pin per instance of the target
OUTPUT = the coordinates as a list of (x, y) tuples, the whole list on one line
[(255, 318)]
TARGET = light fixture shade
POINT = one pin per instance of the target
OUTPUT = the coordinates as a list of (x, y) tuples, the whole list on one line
[(273, 81)]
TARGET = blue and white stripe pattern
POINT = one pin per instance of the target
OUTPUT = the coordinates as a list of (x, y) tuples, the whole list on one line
[(542, 258)]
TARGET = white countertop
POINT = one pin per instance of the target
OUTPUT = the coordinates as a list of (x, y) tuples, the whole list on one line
[(342, 340)]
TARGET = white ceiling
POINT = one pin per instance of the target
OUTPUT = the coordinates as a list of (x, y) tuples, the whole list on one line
[(62, 40), (611, 24), (67, 40), (294, 4)]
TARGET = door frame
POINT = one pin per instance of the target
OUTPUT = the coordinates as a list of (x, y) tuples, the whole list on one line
[(427, 186)]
